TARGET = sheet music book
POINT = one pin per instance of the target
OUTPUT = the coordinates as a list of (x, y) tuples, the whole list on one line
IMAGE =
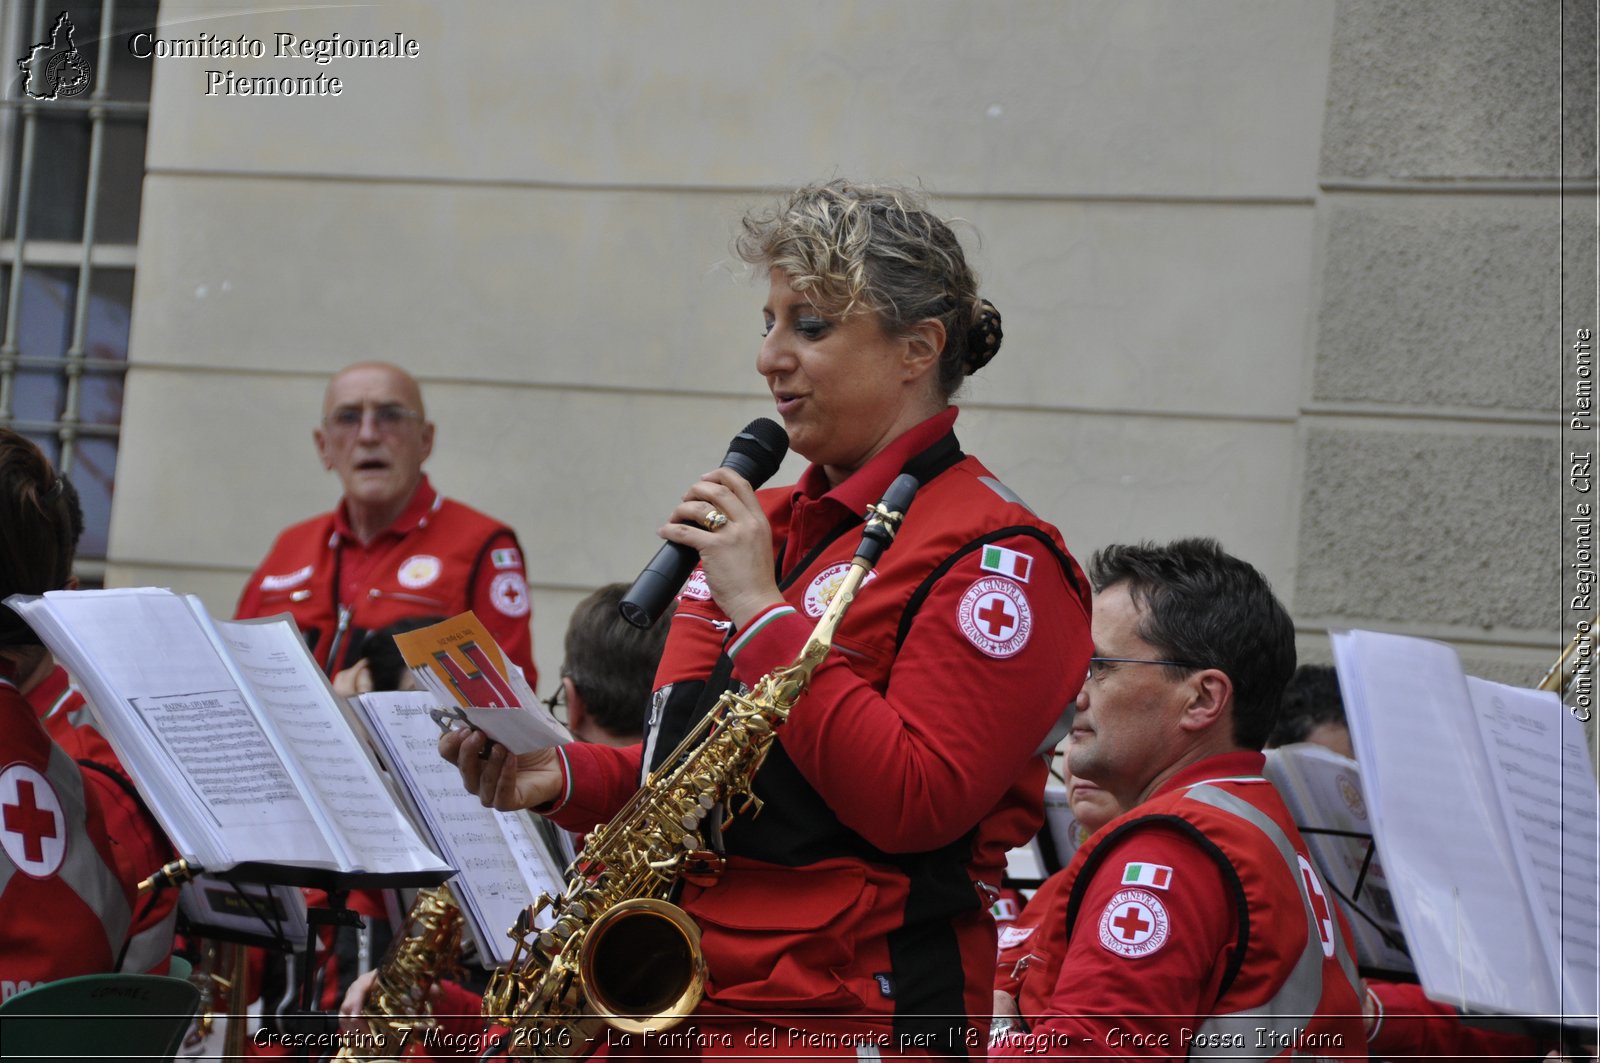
[(1482, 797), (1323, 792), (504, 861), (234, 737)]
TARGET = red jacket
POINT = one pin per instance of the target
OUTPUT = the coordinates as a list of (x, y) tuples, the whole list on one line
[(907, 770), (63, 910), (1409, 1024), (440, 557), (138, 844), (1192, 925)]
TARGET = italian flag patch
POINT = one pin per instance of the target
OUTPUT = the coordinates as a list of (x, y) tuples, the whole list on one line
[(1156, 876), (1007, 562), (507, 558)]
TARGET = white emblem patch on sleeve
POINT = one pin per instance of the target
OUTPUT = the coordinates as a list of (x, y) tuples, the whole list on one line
[(995, 616), (1321, 910), (1134, 924), (509, 592), (33, 830)]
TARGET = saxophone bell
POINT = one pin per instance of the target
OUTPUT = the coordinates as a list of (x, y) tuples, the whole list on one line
[(642, 966)]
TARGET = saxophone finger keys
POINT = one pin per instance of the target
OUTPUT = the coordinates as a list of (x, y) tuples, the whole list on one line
[(713, 519)]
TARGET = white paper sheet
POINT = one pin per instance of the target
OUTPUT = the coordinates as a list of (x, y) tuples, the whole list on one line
[(271, 655), (1547, 790), (503, 866), (1471, 932)]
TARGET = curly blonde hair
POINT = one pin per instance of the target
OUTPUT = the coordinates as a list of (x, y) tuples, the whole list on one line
[(877, 249)]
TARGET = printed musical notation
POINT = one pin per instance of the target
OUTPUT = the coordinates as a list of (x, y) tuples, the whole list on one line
[(502, 864)]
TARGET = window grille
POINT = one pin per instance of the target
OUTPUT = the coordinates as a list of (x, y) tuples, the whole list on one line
[(71, 177)]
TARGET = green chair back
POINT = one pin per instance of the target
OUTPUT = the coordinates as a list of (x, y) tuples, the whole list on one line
[(97, 1017)]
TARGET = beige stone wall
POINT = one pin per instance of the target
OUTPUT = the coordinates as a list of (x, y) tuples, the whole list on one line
[(1431, 488), (535, 214)]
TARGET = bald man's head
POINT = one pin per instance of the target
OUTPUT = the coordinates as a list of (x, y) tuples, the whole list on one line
[(375, 435)]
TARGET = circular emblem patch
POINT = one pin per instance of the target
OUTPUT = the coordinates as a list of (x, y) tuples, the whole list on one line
[(820, 593), (823, 588), (695, 587), (33, 829), (1134, 923), (1350, 790), (509, 592), (418, 571), (995, 616)]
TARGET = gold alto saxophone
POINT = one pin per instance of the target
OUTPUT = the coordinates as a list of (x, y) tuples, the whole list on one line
[(397, 1004), (616, 951)]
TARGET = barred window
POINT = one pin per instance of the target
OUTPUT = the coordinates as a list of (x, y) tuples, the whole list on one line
[(73, 118)]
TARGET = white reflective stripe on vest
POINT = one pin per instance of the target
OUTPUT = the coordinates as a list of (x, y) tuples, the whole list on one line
[(1284, 1017), (151, 945)]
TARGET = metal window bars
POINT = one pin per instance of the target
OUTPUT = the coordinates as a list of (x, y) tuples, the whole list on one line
[(88, 355)]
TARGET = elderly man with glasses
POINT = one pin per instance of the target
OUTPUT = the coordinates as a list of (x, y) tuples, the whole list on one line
[(393, 548), (1193, 924)]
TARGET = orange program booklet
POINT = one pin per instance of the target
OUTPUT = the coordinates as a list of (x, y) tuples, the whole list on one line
[(461, 664)]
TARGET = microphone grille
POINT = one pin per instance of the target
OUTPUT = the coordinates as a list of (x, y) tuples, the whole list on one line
[(765, 443)]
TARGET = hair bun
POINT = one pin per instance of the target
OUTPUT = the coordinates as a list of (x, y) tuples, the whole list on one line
[(983, 339)]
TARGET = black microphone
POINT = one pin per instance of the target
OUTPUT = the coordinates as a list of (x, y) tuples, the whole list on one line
[(755, 454)]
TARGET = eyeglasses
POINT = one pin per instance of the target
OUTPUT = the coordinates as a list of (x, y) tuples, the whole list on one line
[(1095, 661), (555, 701), (387, 418)]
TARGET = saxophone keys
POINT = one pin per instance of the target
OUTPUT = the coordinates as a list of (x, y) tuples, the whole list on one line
[(704, 867)]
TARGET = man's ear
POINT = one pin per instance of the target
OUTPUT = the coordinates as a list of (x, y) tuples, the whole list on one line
[(1210, 701), (322, 447), (577, 711), (924, 345), (427, 441)]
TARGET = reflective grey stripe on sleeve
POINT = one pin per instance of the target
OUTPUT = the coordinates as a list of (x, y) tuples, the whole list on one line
[(1004, 492), (151, 945), (1279, 1021), (82, 869)]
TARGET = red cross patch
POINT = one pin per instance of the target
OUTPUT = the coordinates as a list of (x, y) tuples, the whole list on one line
[(995, 616), (509, 593), (1134, 923), (1320, 910), (33, 829)]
